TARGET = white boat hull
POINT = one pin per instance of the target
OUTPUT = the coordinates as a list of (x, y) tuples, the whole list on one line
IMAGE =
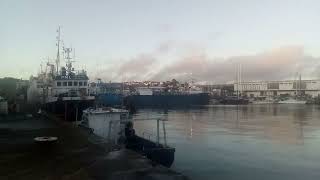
[(292, 101), (263, 102)]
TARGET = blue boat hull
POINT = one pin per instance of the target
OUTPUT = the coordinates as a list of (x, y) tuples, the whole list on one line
[(109, 99), (234, 101), (169, 100)]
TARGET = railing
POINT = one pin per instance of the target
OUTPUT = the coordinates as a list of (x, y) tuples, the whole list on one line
[(158, 127), (145, 134)]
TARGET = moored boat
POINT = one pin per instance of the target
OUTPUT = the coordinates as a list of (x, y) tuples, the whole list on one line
[(292, 101), (167, 100), (233, 100), (61, 89), (114, 125)]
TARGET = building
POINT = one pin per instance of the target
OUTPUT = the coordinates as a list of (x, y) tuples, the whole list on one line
[(219, 89), (101, 88), (278, 88)]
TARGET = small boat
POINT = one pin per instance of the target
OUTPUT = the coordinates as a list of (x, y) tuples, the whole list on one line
[(155, 151), (105, 122), (114, 125), (292, 101), (264, 100), (159, 153)]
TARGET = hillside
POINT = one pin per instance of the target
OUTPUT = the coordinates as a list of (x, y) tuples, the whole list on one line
[(8, 88)]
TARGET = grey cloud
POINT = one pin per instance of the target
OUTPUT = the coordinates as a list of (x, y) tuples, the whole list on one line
[(276, 64), (136, 68), (281, 63)]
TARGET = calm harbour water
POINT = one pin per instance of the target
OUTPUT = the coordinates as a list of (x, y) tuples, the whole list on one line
[(241, 142)]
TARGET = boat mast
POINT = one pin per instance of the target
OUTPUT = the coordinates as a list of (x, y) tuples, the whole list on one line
[(299, 84), (296, 81), (238, 80), (58, 50)]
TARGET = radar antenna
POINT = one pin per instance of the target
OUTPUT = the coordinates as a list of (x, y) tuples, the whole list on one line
[(67, 52)]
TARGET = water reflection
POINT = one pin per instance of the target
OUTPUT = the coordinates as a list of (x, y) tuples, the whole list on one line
[(267, 136)]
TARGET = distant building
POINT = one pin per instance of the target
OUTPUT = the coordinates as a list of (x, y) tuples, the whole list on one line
[(219, 89), (101, 88), (278, 88)]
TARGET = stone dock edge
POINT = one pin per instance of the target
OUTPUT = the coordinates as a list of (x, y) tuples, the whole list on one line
[(77, 154)]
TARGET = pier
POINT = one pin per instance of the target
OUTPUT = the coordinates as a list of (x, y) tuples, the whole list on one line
[(77, 154)]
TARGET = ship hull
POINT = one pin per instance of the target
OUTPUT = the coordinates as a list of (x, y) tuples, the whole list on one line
[(69, 110), (234, 101), (292, 102), (167, 100)]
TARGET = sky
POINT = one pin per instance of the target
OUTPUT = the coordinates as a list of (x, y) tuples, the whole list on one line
[(164, 39)]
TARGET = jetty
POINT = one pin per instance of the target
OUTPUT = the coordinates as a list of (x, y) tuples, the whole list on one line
[(76, 154)]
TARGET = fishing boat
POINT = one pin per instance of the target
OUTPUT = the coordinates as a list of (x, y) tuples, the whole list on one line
[(238, 99), (61, 90)]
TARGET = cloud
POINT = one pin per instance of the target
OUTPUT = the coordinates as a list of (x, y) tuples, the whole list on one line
[(141, 67), (136, 68), (138, 64), (275, 64)]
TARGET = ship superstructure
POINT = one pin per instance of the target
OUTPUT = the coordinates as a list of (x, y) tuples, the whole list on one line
[(68, 84)]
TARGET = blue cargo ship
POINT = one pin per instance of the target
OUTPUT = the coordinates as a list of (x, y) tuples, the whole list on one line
[(160, 100), (107, 94), (116, 94), (110, 99), (167, 100)]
